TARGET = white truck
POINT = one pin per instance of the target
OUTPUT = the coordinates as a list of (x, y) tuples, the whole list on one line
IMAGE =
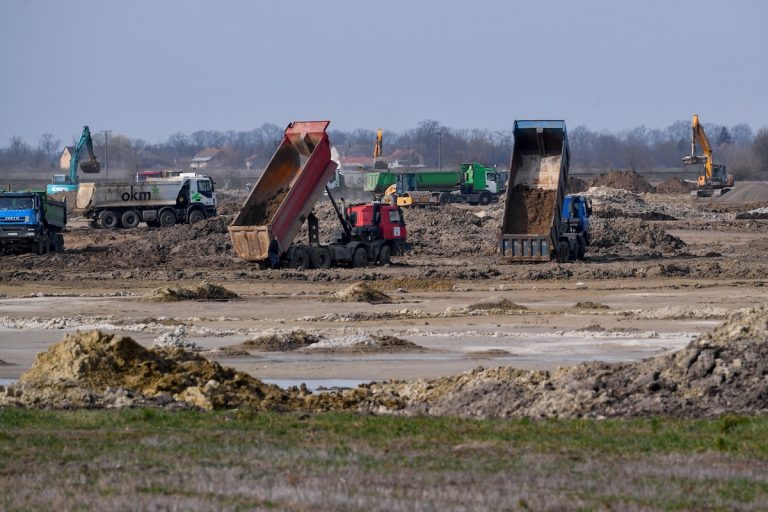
[(159, 203)]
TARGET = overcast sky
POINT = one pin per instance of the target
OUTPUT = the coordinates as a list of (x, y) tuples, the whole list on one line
[(149, 68)]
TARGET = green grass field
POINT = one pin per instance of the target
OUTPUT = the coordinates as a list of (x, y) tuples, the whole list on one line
[(186, 460)]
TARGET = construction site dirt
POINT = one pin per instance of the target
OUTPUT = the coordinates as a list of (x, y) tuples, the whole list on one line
[(647, 289)]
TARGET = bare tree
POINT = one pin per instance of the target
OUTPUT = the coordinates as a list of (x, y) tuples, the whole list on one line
[(49, 147), (760, 149)]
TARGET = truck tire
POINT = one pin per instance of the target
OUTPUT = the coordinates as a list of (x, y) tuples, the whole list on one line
[(130, 219), (485, 198), (445, 199), (167, 218), (360, 258), (562, 252), (299, 258), (196, 216), (581, 250), (320, 257), (107, 220), (385, 254), (43, 244), (58, 243)]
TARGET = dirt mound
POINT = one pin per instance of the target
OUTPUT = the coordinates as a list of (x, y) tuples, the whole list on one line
[(203, 291), (675, 186), (590, 305), (495, 304), (361, 343), (757, 213), (577, 185), (84, 368), (722, 371), (361, 292), (177, 338), (627, 180), (531, 210), (279, 341), (631, 237), (755, 192)]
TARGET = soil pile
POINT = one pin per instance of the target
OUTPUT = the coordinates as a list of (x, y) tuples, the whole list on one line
[(495, 304), (722, 371), (675, 186), (177, 338), (577, 185), (86, 368), (746, 193), (453, 230), (279, 341), (360, 344), (531, 211), (757, 213), (610, 203), (203, 291), (261, 213), (360, 292), (590, 305), (631, 237), (627, 180)]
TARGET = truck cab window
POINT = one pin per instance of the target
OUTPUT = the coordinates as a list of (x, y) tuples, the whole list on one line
[(205, 188), (394, 217)]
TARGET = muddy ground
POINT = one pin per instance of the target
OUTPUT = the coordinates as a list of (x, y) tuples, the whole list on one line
[(663, 268)]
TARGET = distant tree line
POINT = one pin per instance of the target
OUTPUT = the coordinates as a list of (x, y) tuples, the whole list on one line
[(429, 144)]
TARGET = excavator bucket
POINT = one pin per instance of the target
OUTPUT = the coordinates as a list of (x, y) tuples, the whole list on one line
[(91, 167)]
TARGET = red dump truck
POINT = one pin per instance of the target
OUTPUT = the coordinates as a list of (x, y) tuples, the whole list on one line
[(284, 197)]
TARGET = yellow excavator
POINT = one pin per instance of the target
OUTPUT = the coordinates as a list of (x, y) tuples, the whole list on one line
[(715, 181)]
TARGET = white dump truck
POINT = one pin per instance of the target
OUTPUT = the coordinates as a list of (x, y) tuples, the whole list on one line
[(186, 199)]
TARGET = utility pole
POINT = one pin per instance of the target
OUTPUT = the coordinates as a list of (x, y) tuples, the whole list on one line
[(106, 152), (440, 151)]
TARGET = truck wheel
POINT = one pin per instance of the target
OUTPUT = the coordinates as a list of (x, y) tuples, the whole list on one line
[(43, 245), (320, 257), (360, 258), (581, 250), (445, 199), (562, 252), (167, 218), (59, 243), (299, 258), (107, 219), (485, 198), (130, 219), (385, 254), (196, 216)]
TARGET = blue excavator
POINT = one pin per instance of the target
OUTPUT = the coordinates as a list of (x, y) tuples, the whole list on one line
[(69, 182)]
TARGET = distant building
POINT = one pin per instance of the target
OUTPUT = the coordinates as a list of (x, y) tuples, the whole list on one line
[(209, 157), (66, 157)]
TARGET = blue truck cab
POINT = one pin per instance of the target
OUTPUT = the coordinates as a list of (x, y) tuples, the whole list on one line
[(31, 221), (575, 222)]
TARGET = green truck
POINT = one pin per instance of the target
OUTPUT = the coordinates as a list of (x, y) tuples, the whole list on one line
[(474, 183)]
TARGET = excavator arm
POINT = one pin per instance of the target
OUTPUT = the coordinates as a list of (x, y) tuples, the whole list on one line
[(698, 136), (91, 166), (378, 149)]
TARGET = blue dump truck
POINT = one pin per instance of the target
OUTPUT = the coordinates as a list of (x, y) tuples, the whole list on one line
[(540, 222), (31, 221)]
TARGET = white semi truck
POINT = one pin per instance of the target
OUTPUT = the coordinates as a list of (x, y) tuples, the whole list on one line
[(159, 203)]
